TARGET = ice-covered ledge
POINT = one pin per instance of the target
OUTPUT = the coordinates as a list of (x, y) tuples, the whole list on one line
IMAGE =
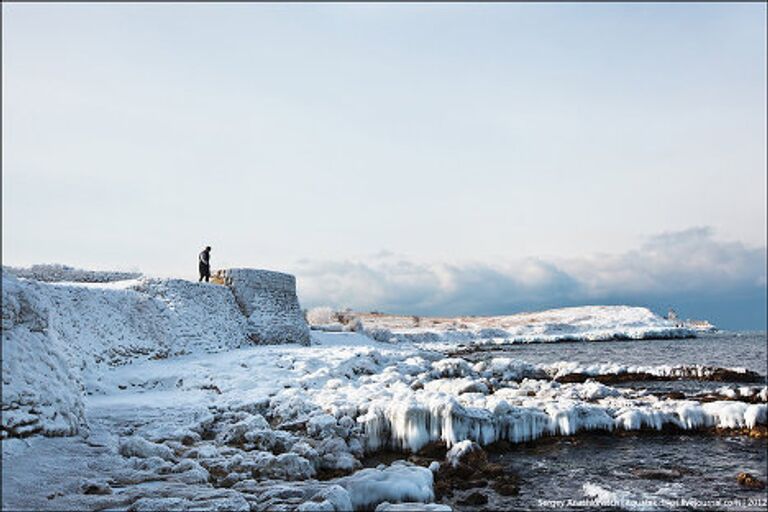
[(268, 299)]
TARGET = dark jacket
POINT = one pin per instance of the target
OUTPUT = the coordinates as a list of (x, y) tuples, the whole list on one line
[(205, 259)]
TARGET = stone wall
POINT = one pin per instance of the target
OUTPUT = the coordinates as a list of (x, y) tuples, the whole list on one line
[(268, 299)]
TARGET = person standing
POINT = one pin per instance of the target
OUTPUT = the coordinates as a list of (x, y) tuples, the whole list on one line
[(205, 264)]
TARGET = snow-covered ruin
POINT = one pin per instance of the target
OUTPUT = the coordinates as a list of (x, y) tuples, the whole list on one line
[(168, 394), (59, 337)]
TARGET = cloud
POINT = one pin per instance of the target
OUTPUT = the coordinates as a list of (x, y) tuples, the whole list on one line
[(691, 260), (691, 267)]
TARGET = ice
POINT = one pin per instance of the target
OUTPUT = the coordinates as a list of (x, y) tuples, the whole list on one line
[(136, 446), (412, 507), (331, 499), (563, 368), (621, 499), (399, 482), (179, 404), (459, 451)]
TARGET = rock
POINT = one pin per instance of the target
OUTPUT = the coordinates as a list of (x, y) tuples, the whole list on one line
[(467, 453), (331, 498), (136, 446), (657, 474), (433, 450), (466, 466), (506, 486), (749, 481), (474, 499), (463, 485), (95, 487)]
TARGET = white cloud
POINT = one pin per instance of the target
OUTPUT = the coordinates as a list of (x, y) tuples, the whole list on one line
[(678, 266)]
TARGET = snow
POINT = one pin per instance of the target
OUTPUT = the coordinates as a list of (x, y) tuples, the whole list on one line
[(621, 499), (332, 498), (563, 368), (412, 507), (459, 451), (62, 273), (268, 299), (585, 323), (399, 482), (177, 407), (41, 390), (136, 446), (59, 339)]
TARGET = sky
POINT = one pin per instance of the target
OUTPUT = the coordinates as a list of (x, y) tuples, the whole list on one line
[(425, 159)]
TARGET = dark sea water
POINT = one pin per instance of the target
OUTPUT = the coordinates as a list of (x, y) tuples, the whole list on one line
[(646, 470), (724, 349), (639, 471)]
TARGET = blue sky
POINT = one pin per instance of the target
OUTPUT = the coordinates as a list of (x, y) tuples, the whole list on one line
[(470, 158)]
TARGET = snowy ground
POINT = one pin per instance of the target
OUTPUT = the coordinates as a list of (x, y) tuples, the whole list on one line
[(263, 427)]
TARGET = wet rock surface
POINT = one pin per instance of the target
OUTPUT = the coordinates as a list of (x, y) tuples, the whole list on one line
[(466, 467), (749, 481)]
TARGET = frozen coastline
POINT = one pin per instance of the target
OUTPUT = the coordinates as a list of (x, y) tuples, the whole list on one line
[(584, 323), (168, 401)]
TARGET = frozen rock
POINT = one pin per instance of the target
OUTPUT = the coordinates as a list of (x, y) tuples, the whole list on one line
[(190, 472), (303, 449), (136, 446), (155, 504), (399, 482), (468, 453), (332, 499), (205, 451), (154, 464), (236, 434), (412, 507), (321, 425), (95, 487)]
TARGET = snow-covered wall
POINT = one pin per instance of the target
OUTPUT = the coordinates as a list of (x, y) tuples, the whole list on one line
[(269, 301), (59, 338)]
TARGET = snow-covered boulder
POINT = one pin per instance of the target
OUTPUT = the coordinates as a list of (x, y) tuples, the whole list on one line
[(269, 301), (412, 507), (333, 498), (399, 482), (466, 452), (136, 446)]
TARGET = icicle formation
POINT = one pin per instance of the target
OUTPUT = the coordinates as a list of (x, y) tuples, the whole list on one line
[(409, 425)]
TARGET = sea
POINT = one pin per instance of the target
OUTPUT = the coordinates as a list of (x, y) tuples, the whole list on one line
[(645, 470)]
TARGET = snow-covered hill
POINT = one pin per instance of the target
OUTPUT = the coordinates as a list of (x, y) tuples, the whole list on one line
[(585, 323)]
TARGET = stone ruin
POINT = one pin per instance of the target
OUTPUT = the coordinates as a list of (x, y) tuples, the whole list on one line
[(269, 302)]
